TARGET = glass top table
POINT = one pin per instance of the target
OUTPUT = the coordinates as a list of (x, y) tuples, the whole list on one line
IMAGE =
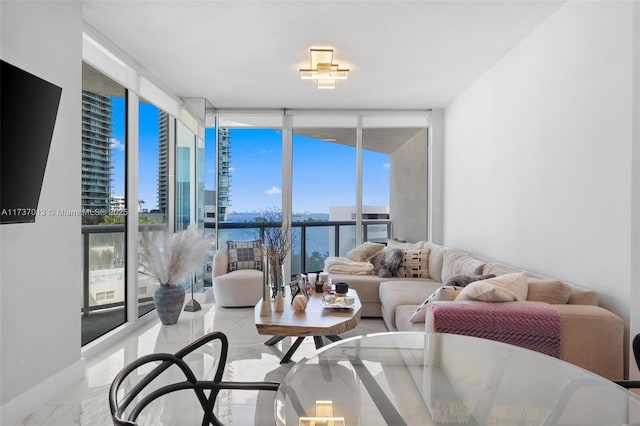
[(409, 378)]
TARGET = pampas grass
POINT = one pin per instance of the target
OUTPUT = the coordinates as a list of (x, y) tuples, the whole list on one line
[(172, 258)]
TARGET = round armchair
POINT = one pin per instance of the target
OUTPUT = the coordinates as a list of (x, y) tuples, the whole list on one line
[(237, 288)]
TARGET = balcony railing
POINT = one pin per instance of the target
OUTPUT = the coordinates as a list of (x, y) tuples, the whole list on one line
[(103, 249)]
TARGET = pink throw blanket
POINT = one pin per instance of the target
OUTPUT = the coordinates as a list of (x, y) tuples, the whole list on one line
[(530, 325)]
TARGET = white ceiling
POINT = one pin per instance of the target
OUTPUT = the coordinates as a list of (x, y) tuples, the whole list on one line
[(246, 54)]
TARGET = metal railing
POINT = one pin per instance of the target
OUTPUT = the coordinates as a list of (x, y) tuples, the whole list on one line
[(299, 230), (302, 227)]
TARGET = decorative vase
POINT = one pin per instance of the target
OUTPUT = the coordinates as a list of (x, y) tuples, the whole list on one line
[(279, 288), (280, 300), (168, 299)]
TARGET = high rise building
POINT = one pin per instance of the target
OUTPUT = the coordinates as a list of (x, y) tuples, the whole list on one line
[(96, 151), (163, 161), (224, 177)]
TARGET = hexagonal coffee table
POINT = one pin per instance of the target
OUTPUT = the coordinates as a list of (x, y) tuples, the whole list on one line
[(317, 321)]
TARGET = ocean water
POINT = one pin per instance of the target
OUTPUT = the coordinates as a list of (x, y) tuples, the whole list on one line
[(318, 239)]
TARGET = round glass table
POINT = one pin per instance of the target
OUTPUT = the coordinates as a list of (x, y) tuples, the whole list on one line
[(445, 379)]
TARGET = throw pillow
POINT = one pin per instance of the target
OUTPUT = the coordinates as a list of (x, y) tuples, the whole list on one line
[(503, 288), (444, 293), (364, 251), (397, 244), (465, 280), (549, 291), (415, 263), (390, 263), (244, 255), (376, 259)]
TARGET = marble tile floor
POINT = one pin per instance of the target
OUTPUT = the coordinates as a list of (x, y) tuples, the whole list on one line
[(86, 403)]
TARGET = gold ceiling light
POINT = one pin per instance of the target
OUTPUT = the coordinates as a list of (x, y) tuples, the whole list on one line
[(322, 69)]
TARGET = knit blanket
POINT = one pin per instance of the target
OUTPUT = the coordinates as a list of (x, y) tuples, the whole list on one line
[(530, 325), (344, 265)]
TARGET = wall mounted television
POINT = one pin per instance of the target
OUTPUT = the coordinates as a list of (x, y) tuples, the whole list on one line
[(28, 110)]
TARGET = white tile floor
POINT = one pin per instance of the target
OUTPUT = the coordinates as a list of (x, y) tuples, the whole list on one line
[(86, 403)]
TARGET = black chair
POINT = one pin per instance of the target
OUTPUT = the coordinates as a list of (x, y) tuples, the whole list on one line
[(121, 402), (632, 384)]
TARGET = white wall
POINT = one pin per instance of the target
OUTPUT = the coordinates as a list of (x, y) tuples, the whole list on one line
[(40, 262), (538, 154)]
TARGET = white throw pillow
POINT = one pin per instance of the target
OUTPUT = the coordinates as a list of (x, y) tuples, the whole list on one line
[(444, 294), (364, 251), (503, 288)]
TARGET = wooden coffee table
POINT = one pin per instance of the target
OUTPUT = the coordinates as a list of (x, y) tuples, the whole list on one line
[(316, 321)]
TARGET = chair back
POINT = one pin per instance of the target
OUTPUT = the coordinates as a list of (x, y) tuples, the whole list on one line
[(127, 401)]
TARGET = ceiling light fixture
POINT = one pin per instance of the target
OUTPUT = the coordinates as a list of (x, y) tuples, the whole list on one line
[(323, 70)]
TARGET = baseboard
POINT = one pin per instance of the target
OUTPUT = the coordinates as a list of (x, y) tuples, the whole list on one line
[(15, 411)]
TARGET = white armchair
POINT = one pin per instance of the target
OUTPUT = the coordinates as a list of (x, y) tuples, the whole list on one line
[(236, 288)]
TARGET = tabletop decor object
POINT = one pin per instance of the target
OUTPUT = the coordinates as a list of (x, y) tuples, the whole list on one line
[(265, 307), (278, 238), (279, 288), (300, 303), (171, 259)]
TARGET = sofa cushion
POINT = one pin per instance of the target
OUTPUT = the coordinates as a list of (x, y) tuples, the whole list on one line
[(583, 297), (403, 313), (503, 288), (443, 294), (364, 251), (415, 263), (403, 292), (395, 244), (460, 263), (548, 291), (436, 258), (499, 268), (244, 255), (465, 280)]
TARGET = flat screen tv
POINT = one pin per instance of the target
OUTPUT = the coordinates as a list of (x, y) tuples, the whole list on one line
[(28, 110)]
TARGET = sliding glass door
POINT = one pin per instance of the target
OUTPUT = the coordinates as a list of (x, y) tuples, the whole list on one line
[(103, 204)]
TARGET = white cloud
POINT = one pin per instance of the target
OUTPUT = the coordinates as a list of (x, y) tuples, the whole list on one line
[(386, 165), (231, 169), (116, 144), (273, 191)]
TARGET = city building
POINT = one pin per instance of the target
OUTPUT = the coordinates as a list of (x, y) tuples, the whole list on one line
[(163, 161), (224, 174), (96, 151)]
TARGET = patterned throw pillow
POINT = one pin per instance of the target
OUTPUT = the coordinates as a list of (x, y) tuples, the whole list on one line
[(444, 293), (415, 263), (244, 255)]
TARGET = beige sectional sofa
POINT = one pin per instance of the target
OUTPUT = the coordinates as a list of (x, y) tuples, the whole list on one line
[(590, 336)]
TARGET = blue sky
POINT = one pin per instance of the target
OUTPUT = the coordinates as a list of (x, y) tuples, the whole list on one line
[(323, 172)]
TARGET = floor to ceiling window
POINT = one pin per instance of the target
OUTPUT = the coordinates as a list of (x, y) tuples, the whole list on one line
[(344, 169), (153, 185), (249, 184), (323, 191), (103, 204)]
